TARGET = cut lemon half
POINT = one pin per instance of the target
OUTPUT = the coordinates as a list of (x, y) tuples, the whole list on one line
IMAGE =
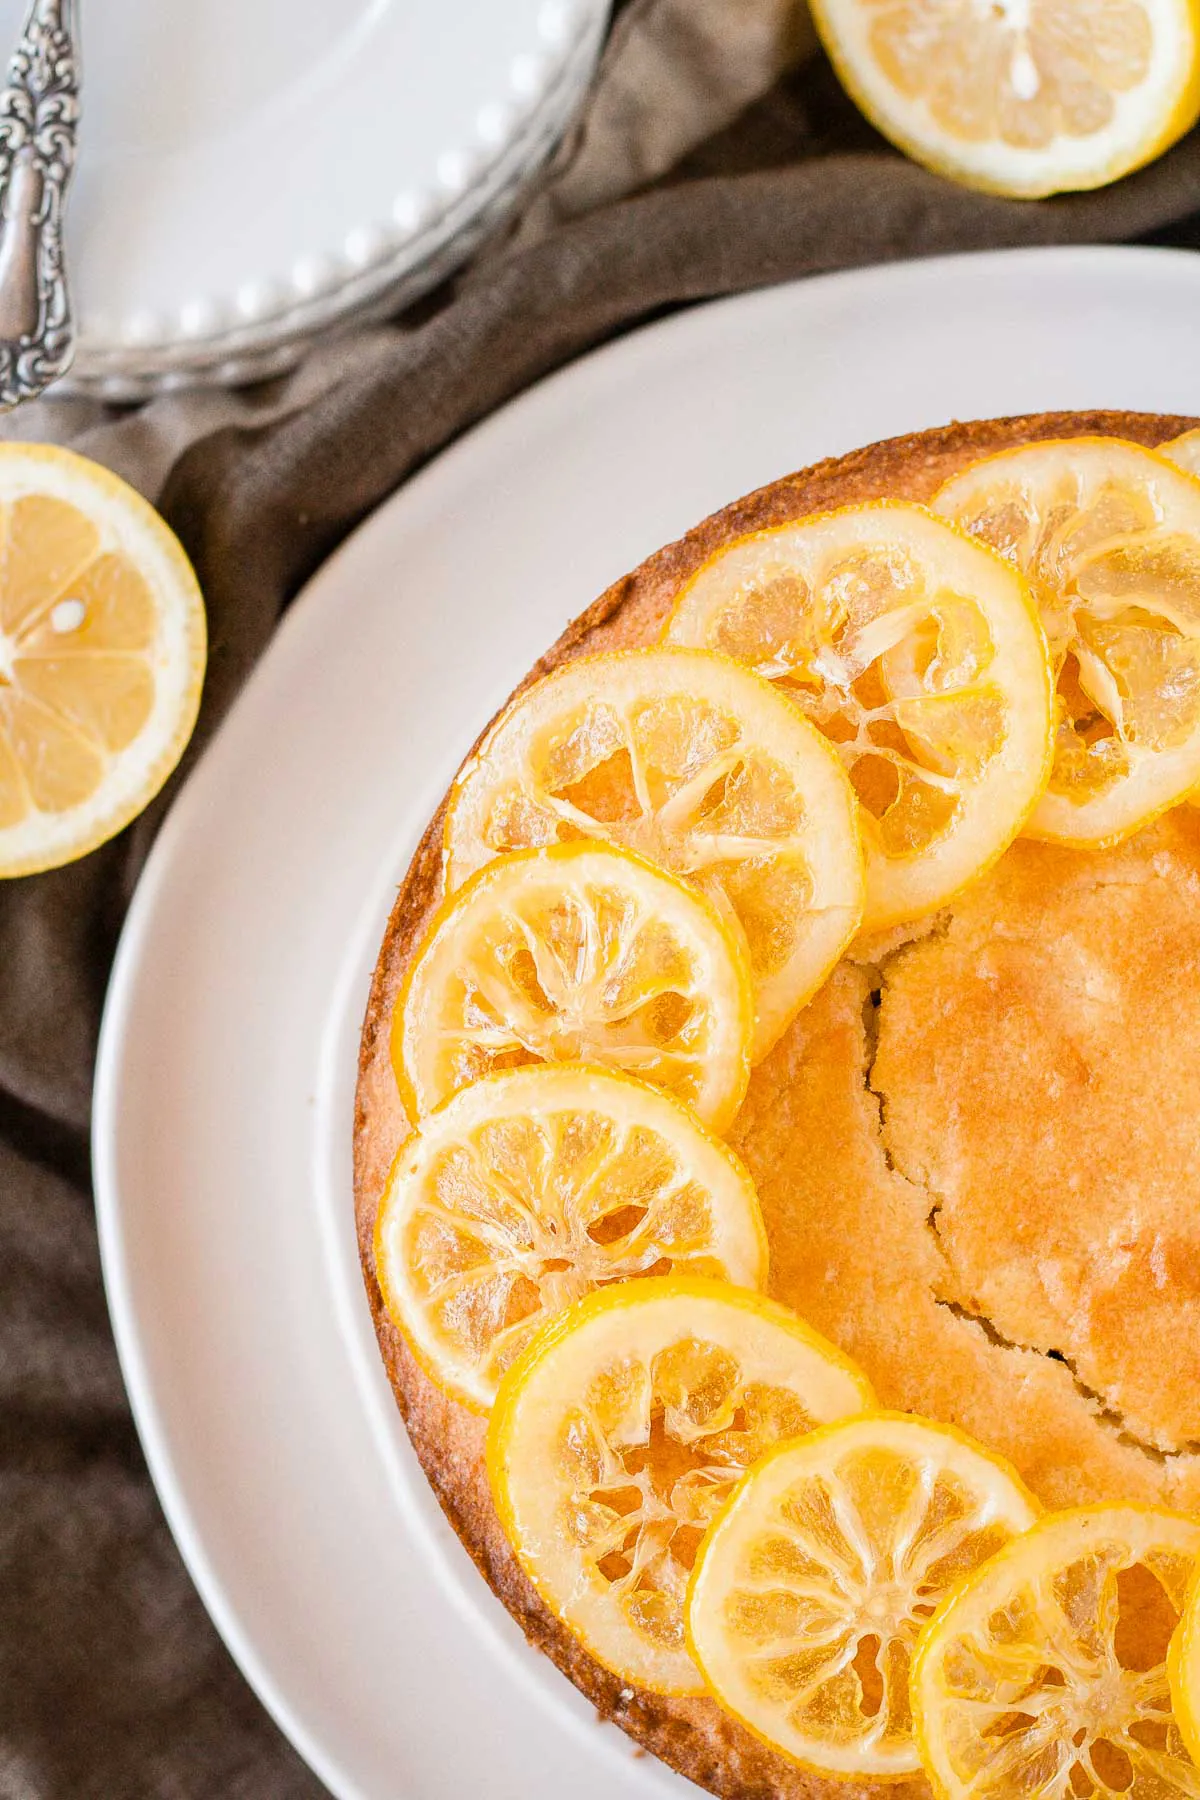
[(1022, 97), (619, 1432), (578, 953), (526, 1191), (1109, 536), (702, 767), (1184, 451), (102, 652), (1183, 1671), (917, 653), (1043, 1674), (814, 1581)]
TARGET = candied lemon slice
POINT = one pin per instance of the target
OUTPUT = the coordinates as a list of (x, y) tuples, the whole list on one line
[(619, 1432), (1183, 1670), (918, 655), (814, 1581), (102, 652), (702, 767), (577, 953), (1109, 536), (526, 1191), (1021, 97), (1043, 1674), (1184, 451)]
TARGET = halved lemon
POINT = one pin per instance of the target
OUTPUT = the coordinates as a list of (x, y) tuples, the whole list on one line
[(702, 767), (918, 654), (1022, 97), (577, 953), (813, 1582), (1043, 1674), (1184, 451), (619, 1432), (102, 652), (1183, 1670), (526, 1191), (1109, 536)]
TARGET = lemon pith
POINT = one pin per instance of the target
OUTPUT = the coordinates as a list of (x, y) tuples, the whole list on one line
[(526, 1190), (1183, 1670), (814, 1580), (619, 1430)]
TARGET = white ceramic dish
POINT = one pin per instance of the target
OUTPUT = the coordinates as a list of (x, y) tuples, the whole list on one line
[(252, 173), (226, 1070)]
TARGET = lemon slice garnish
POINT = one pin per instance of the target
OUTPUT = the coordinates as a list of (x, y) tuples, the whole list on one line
[(526, 1191), (1043, 1675), (102, 653), (810, 1590), (704, 769), (1021, 97), (918, 655), (1109, 536), (618, 1434), (577, 953)]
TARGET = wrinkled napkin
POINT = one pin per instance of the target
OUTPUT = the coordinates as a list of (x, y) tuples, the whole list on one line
[(716, 153)]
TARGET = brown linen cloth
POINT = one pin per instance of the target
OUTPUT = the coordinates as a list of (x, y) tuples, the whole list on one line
[(113, 1683)]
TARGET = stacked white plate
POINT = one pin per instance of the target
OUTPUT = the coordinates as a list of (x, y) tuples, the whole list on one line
[(253, 173)]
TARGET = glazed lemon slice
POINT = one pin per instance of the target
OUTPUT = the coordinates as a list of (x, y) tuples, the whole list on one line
[(1044, 1673), (1022, 97), (918, 655), (810, 1589), (102, 651), (526, 1191), (707, 771), (1109, 536), (1183, 1671), (1184, 451), (578, 953), (617, 1435)]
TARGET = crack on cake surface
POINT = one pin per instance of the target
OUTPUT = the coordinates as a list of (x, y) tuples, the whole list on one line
[(875, 973), (1101, 1409)]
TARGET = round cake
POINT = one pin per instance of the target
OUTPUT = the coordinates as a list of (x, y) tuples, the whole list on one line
[(975, 1149)]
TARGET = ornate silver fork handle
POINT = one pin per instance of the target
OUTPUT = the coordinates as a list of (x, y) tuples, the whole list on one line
[(39, 112)]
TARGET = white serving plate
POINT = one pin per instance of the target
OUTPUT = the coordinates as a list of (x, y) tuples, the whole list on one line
[(226, 1068), (251, 172)]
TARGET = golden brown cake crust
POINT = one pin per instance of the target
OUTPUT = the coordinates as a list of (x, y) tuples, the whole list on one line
[(905, 1136)]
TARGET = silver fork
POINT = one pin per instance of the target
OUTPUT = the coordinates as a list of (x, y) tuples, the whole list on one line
[(39, 113)]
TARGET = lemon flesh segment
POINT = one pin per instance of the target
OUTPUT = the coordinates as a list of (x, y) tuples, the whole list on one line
[(1109, 536), (577, 953), (919, 657), (526, 1191), (619, 1432), (1044, 1673), (1184, 451), (1024, 97), (704, 769), (102, 653), (814, 1581)]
